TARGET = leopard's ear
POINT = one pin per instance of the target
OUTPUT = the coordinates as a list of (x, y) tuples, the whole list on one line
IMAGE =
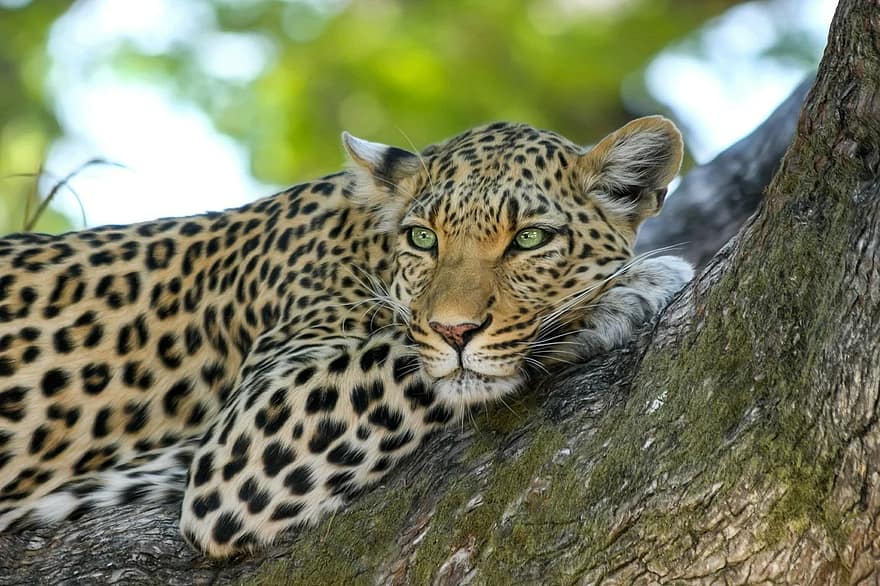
[(381, 173), (629, 171), (386, 164)]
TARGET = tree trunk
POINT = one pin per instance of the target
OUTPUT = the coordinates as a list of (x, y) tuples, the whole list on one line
[(736, 442)]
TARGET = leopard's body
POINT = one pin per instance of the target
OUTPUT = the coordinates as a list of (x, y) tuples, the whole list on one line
[(274, 360)]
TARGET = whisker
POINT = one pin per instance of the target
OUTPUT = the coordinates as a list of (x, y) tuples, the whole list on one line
[(380, 292), (418, 154), (396, 187), (571, 301), (551, 353)]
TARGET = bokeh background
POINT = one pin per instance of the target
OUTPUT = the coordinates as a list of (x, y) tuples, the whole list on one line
[(190, 105)]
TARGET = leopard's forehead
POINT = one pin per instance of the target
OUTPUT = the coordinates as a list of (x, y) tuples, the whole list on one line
[(497, 177), (501, 143)]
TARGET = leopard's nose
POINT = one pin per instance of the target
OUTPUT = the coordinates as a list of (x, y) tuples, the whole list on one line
[(458, 335)]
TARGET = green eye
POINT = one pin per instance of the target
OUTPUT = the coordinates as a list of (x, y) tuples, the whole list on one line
[(531, 238), (422, 238)]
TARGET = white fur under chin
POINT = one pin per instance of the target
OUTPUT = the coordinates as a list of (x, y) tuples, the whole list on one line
[(468, 389)]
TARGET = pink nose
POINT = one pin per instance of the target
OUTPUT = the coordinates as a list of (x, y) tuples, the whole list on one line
[(456, 336)]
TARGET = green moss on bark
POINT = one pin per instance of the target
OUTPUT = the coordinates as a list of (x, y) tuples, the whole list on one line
[(352, 543), (749, 357), (343, 549), (456, 525)]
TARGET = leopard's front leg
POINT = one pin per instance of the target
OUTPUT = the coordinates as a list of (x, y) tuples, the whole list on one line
[(636, 296), (304, 432)]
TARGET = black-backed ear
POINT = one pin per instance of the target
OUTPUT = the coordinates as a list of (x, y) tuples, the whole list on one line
[(381, 172), (385, 163), (630, 169)]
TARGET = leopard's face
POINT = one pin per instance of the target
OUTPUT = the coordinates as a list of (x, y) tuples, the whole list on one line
[(479, 291), (504, 237)]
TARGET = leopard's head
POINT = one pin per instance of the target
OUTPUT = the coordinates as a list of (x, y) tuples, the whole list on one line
[(505, 234)]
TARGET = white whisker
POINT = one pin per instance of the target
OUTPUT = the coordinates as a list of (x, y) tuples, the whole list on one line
[(573, 300)]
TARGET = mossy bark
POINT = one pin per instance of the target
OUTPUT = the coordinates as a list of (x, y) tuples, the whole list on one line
[(736, 442)]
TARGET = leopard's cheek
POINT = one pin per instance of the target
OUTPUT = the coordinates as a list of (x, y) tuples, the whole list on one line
[(531, 289), (410, 280)]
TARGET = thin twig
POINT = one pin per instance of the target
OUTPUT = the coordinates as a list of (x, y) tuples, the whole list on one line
[(31, 220)]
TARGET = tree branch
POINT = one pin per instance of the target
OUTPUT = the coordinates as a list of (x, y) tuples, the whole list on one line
[(736, 441)]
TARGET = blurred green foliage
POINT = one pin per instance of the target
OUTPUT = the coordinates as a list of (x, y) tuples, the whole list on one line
[(27, 121), (404, 72), (420, 71)]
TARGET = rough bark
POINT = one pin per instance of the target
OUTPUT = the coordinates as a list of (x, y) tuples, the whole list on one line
[(735, 442)]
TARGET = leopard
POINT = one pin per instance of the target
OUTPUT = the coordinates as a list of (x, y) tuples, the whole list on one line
[(261, 367)]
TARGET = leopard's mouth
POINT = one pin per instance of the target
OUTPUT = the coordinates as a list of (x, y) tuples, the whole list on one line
[(468, 387), (467, 375)]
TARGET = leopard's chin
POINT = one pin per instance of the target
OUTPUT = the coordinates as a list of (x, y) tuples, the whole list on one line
[(468, 387)]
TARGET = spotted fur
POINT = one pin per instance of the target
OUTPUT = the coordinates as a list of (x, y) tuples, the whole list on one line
[(273, 361)]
